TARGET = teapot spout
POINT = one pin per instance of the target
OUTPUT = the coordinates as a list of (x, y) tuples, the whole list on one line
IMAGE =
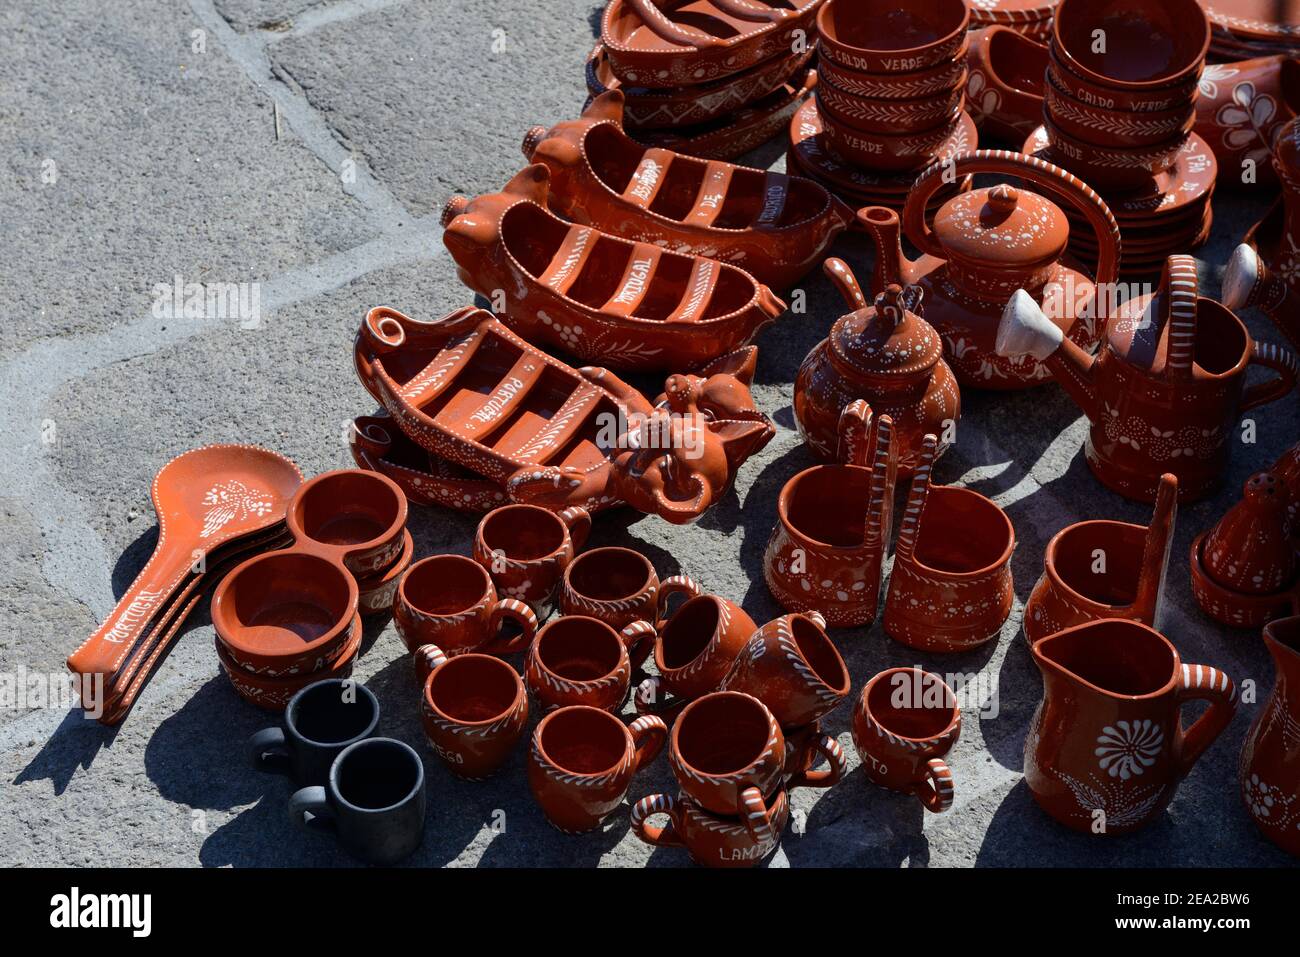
[(1025, 330), (892, 267)]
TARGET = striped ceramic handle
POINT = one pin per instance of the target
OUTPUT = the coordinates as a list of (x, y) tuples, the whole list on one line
[(828, 777), (742, 10), (916, 500), (676, 585), (639, 638), (854, 429), (649, 733), (666, 29), (1282, 361), (1203, 683), (510, 609), (935, 787), (428, 659), (578, 521), (647, 808), (880, 493), (1181, 284), (758, 819)]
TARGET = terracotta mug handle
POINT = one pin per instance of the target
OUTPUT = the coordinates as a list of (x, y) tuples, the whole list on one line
[(646, 808), (935, 788), (758, 819), (1203, 683), (510, 609), (649, 733), (638, 637), (1282, 361), (578, 521), (677, 584), (428, 659), (828, 777)]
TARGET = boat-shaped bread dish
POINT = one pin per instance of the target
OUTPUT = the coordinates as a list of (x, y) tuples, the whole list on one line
[(624, 304), (668, 43), (467, 389), (777, 227)]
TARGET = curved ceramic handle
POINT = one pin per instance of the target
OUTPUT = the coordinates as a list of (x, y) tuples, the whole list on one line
[(880, 495), (649, 732), (935, 789), (428, 659), (510, 609), (268, 750), (829, 776), (1155, 552), (758, 819), (685, 510), (646, 808), (1203, 683), (312, 801), (916, 499), (816, 617), (1181, 286), (639, 638), (854, 428), (667, 30), (371, 440), (1282, 361), (742, 10), (842, 278), (1058, 181), (676, 585), (578, 521)]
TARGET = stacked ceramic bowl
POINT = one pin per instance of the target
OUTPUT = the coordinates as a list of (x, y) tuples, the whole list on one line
[(1033, 18), (1244, 29), (890, 96), (1119, 106)]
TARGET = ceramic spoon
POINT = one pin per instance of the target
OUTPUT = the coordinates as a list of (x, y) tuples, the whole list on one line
[(206, 498)]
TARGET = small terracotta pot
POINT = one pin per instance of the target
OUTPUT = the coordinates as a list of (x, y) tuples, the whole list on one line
[(695, 649), (616, 585), (583, 661), (1004, 85), (450, 601), (274, 693), (712, 841), (803, 747), (1233, 608), (886, 36), (1116, 128), (526, 549), (357, 515), (582, 761), (889, 152), (473, 708), (906, 721), (931, 81), (871, 115), (375, 594), (1128, 99), (1149, 44), (793, 667)]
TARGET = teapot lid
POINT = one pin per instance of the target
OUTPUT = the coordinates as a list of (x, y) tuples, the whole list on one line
[(1002, 227), (889, 339)]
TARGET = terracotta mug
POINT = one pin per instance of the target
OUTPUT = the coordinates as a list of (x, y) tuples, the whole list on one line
[(582, 761), (450, 601), (726, 752), (616, 585), (526, 549), (695, 649), (577, 660), (793, 667), (473, 708), (711, 840), (905, 722), (319, 722), (803, 747)]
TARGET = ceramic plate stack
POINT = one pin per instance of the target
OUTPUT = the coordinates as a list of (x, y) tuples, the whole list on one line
[(712, 78), (1033, 18), (1243, 29)]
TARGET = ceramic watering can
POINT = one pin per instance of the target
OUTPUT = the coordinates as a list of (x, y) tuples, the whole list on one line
[(1270, 757), (1107, 747), (985, 245), (1165, 392)]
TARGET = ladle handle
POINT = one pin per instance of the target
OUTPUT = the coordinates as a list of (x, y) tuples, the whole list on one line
[(1155, 552), (1282, 361), (1203, 683), (916, 500)]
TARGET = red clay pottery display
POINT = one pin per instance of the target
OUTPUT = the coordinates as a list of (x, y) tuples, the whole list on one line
[(557, 436), (696, 647), (1166, 390), (577, 660), (906, 721), (1104, 569), (1270, 757), (625, 303), (582, 761), (616, 585), (210, 502), (885, 354), (774, 226), (526, 549), (710, 839), (827, 549), (1107, 747), (726, 752), (660, 44), (273, 692), (950, 587), (793, 667), (473, 708), (319, 722), (1004, 85), (450, 601), (886, 36), (986, 244)]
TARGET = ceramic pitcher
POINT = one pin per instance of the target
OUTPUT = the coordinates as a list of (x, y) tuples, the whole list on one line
[(1270, 758)]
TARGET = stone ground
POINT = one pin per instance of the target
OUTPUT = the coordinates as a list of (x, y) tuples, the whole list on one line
[(306, 146)]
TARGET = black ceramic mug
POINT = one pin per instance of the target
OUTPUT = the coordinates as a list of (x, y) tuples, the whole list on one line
[(372, 801), (319, 722)]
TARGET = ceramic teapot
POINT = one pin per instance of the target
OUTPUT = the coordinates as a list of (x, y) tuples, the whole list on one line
[(985, 245), (1165, 392), (887, 355)]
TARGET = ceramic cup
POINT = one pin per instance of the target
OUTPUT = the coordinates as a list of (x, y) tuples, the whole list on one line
[(905, 722), (450, 601), (711, 840), (793, 667), (888, 36), (577, 660), (804, 746), (696, 647), (372, 802), (616, 585), (473, 708), (319, 722), (526, 549), (582, 761)]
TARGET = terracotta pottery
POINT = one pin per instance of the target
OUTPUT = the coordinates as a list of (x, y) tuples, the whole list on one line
[(793, 667), (701, 41), (1150, 44), (1004, 85), (986, 244), (557, 436), (526, 549), (450, 601), (1106, 747), (1166, 390), (885, 36), (273, 692), (1249, 282), (1104, 569), (804, 746), (906, 721), (726, 752), (930, 81), (1117, 169), (473, 708), (773, 225), (1256, 21), (886, 355), (582, 761), (582, 661), (375, 594), (1124, 98), (827, 549), (1097, 125), (878, 115), (1270, 756), (950, 587), (696, 646), (617, 586), (207, 500), (892, 152), (710, 839), (1276, 239)]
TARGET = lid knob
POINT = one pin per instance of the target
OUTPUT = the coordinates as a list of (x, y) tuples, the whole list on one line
[(1003, 199), (890, 306)]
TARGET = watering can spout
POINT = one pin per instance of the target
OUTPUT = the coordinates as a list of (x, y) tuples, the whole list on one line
[(1026, 330)]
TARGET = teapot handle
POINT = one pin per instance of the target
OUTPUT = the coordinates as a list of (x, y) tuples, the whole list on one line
[(1060, 182), (1202, 682), (1282, 361)]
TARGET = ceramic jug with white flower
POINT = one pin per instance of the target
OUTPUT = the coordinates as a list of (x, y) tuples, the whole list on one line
[(1107, 747), (1270, 758)]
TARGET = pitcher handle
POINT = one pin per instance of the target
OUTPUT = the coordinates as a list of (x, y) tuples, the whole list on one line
[(1282, 361), (1203, 683), (935, 789), (827, 777)]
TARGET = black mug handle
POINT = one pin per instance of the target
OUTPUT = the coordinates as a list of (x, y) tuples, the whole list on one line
[(312, 801), (268, 750)]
